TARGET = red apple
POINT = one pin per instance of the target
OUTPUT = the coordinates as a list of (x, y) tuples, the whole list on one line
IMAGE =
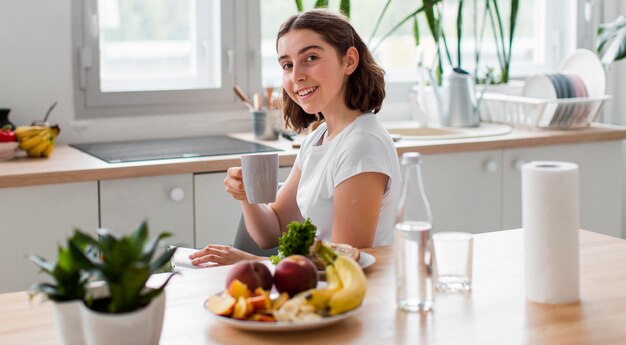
[(294, 274), (252, 273)]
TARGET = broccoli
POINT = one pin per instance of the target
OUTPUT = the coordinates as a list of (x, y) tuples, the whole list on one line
[(296, 240)]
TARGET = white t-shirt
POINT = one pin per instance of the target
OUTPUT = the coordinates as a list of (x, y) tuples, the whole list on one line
[(363, 146)]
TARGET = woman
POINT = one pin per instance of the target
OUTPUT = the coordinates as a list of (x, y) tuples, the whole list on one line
[(346, 177)]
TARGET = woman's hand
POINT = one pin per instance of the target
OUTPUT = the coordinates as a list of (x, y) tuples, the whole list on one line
[(234, 183), (221, 255)]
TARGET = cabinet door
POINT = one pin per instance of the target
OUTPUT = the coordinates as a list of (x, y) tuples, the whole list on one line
[(35, 220), (601, 176), (217, 214), (464, 190), (165, 201)]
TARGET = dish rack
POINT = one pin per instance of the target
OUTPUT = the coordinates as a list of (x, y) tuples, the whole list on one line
[(541, 113)]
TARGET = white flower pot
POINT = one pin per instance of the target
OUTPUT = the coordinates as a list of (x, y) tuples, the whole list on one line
[(142, 326), (67, 322)]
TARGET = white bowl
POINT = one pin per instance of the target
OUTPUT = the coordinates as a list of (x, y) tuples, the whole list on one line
[(7, 150)]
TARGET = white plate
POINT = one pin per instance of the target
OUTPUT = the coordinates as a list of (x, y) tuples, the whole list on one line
[(281, 326), (586, 64), (366, 260)]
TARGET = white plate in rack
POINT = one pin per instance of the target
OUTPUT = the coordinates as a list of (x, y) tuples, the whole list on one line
[(588, 67)]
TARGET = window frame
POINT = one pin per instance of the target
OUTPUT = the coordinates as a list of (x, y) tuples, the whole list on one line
[(240, 53)]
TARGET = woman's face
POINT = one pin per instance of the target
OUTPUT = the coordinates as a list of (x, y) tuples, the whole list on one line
[(313, 74)]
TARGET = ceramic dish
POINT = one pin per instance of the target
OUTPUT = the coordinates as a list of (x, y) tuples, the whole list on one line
[(366, 260), (586, 64), (280, 326), (7, 150), (540, 86)]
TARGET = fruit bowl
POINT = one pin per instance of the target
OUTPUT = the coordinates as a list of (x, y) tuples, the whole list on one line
[(7, 150)]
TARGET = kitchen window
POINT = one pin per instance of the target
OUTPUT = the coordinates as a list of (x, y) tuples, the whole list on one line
[(160, 56), (544, 36)]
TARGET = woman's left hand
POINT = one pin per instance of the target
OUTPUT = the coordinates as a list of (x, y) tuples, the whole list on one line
[(221, 255)]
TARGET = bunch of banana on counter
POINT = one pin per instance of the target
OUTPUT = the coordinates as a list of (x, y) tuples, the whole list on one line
[(37, 141), (345, 290)]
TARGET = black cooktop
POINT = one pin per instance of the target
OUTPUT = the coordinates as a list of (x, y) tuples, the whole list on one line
[(146, 150)]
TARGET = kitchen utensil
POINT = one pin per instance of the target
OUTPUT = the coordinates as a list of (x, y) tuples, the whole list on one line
[(242, 96), (268, 96), (45, 118)]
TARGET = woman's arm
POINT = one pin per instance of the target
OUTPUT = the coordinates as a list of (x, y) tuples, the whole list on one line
[(356, 207)]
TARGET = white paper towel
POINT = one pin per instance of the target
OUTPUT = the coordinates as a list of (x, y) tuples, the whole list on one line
[(550, 214)]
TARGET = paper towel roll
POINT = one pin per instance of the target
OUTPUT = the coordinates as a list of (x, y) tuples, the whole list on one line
[(550, 215)]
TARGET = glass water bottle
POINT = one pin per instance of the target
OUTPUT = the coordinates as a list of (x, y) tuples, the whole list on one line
[(414, 257)]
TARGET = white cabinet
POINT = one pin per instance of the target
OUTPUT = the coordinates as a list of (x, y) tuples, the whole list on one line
[(601, 175), (464, 190), (165, 201), (217, 214), (34, 220)]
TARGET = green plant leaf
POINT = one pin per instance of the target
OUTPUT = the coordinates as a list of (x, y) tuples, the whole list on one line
[(380, 18), (299, 5), (416, 31), (151, 247), (344, 7), (405, 19), (164, 258), (140, 236), (512, 25), (45, 266), (321, 4), (459, 31), (611, 41)]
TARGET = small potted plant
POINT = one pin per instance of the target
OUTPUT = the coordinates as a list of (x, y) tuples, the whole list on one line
[(68, 289), (130, 313)]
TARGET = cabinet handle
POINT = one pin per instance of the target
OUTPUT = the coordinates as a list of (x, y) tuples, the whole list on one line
[(177, 194), (517, 164), (491, 166)]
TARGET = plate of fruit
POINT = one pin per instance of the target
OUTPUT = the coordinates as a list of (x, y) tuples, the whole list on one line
[(292, 298)]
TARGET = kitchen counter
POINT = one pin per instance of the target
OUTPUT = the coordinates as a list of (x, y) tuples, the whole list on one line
[(494, 312), (70, 165)]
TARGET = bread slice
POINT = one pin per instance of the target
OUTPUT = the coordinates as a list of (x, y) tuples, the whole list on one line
[(340, 249)]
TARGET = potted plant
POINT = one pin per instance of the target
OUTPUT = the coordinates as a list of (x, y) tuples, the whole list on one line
[(68, 289), (130, 313)]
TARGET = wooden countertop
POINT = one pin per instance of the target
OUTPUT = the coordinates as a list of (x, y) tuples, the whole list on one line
[(70, 165), (494, 312)]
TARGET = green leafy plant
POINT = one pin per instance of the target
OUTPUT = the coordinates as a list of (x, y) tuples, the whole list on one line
[(125, 263), (296, 240), (433, 14), (70, 277), (344, 6), (611, 43)]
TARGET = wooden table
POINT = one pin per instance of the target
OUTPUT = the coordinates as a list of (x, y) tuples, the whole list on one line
[(495, 312)]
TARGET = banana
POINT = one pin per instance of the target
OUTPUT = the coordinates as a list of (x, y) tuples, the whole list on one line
[(23, 132), (48, 150), (37, 150), (354, 286), (319, 298)]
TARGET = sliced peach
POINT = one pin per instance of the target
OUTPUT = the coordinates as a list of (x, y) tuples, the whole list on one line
[(238, 289), (222, 305), (242, 309), (282, 298), (262, 317), (261, 302), (259, 291)]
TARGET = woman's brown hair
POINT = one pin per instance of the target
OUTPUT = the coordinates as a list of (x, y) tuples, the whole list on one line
[(365, 89)]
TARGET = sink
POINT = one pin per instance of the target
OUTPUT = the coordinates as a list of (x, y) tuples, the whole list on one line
[(411, 130)]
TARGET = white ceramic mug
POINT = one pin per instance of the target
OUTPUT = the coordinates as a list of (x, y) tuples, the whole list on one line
[(260, 176)]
